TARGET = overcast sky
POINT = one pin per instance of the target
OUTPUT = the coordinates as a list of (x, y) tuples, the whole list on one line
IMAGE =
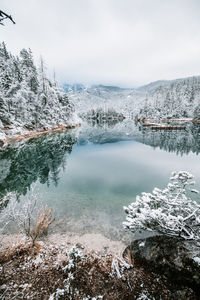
[(118, 42)]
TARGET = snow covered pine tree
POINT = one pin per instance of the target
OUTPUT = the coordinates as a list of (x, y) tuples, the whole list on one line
[(169, 211), (28, 99)]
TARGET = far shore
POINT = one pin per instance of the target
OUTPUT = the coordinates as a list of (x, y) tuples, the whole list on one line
[(167, 120)]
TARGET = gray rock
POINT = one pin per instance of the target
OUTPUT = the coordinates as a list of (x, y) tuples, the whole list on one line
[(174, 258)]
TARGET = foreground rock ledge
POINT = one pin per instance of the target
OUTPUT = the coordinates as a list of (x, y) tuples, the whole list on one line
[(174, 258)]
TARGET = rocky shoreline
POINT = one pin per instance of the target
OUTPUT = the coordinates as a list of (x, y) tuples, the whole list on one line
[(176, 259)]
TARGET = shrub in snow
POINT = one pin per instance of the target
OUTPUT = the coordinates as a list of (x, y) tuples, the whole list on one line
[(57, 295), (75, 256), (27, 218), (170, 211)]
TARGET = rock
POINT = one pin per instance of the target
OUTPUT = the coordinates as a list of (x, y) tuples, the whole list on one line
[(123, 278), (177, 259), (3, 287), (80, 246)]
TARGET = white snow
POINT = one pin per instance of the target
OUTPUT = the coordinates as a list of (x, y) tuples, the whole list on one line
[(197, 260), (142, 244), (28, 99)]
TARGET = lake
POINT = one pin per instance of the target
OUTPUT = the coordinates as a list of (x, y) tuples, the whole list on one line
[(88, 174)]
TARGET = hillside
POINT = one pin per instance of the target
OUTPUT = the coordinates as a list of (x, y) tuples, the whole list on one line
[(178, 98)]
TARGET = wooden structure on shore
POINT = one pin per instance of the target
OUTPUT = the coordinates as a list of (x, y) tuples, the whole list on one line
[(166, 124), (168, 127), (166, 121)]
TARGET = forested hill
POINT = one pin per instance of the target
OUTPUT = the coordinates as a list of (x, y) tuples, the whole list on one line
[(28, 99), (178, 98)]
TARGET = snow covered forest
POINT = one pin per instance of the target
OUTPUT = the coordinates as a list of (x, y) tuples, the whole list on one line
[(108, 99), (28, 99), (172, 99), (160, 99)]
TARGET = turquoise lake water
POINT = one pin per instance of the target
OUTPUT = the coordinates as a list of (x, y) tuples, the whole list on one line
[(89, 174)]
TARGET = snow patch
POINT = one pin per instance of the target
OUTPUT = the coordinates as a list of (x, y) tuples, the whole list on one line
[(197, 260)]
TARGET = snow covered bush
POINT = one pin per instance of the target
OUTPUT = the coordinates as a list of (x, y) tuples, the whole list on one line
[(75, 256), (170, 211)]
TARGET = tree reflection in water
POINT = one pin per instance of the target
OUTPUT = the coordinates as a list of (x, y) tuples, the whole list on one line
[(178, 141), (42, 158)]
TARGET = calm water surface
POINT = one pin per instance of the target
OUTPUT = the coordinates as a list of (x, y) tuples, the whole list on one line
[(88, 175)]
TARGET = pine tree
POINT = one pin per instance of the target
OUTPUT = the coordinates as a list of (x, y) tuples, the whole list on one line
[(29, 71), (28, 99)]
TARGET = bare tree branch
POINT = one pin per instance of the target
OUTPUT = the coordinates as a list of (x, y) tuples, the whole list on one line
[(4, 16)]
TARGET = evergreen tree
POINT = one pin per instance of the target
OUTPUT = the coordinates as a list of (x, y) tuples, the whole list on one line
[(29, 71), (28, 99)]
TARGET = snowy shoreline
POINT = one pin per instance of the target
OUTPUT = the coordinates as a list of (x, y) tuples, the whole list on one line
[(31, 134)]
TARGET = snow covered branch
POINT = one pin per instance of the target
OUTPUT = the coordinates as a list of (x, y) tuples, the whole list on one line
[(169, 211), (4, 16)]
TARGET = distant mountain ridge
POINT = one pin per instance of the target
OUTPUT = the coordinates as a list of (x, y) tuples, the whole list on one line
[(109, 87), (163, 83), (153, 85), (144, 88)]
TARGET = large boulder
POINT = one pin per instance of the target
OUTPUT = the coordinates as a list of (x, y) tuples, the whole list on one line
[(177, 259)]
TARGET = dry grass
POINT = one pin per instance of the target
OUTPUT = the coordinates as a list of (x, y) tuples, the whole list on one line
[(44, 219), (92, 276), (25, 248)]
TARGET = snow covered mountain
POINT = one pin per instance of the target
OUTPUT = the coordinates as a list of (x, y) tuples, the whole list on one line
[(178, 98), (151, 87)]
